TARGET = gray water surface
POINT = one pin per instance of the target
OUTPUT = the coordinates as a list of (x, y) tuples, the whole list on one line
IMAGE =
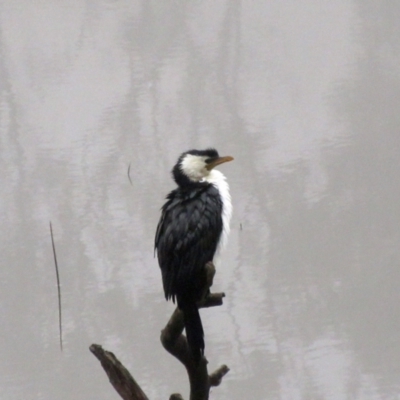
[(306, 97)]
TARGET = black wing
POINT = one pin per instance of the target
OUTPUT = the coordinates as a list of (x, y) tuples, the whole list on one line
[(187, 237)]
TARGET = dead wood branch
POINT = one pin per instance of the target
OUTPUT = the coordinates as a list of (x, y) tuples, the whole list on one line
[(119, 376), (176, 344)]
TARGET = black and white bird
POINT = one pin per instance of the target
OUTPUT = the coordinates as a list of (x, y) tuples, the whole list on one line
[(193, 227)]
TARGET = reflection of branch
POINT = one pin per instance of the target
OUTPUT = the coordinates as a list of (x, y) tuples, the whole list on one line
[(129, 175), (119, 376), (176, 344), (58, 286)]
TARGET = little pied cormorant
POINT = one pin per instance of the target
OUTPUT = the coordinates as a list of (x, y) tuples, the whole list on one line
[(194, 225)]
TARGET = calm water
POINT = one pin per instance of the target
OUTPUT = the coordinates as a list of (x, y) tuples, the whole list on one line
[(305, 96)]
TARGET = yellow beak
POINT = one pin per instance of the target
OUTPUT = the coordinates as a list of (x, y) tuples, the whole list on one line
[(218, 161)]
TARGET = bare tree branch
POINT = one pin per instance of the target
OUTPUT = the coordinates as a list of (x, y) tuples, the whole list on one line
[(217, 375), (175, 396), (119, 376), (176, 344)]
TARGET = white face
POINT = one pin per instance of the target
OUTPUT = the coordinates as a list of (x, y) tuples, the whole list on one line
[(194, 167)]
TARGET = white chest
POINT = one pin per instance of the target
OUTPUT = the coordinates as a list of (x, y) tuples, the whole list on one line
[(218, 179)]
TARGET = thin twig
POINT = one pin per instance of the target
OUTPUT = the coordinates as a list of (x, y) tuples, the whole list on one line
[(129, 177), (58, 287)]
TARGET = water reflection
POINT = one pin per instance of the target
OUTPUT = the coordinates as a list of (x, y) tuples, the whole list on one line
[(304, 96)]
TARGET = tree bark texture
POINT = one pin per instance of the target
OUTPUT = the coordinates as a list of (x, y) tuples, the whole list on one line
[(175, 343)]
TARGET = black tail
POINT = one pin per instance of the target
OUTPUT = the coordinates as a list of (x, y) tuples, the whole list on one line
[(194, 330)]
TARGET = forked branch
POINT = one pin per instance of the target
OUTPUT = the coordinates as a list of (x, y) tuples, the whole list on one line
[(176, 344)]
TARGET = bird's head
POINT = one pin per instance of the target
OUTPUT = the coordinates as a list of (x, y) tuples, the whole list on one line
[(195, 165)]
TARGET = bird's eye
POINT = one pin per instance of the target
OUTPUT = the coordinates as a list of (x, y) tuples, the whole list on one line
[(209, 160)]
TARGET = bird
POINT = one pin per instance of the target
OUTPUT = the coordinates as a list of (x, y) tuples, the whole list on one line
[(193, 228)]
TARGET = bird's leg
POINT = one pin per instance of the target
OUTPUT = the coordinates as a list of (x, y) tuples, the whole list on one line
[(209, 299), (209, 272)]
